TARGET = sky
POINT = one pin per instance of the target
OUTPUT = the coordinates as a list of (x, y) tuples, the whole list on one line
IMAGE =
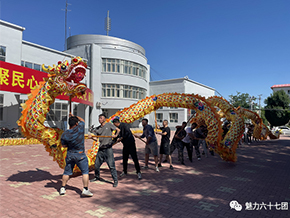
[(229, 45)]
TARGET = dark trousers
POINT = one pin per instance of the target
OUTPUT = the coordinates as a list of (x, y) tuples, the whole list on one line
[(249, 136), (130, 149), (189, 150), (179, 145), (196, 147), (107, 156), (173, 146)]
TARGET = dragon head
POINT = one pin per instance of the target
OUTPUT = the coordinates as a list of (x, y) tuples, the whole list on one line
[(68, 75)]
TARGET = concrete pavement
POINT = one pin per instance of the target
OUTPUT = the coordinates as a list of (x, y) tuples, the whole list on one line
[(259, 181)]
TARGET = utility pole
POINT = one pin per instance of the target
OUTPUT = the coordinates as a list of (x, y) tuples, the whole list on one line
[(260, 104), (251, 102), (65, 23)]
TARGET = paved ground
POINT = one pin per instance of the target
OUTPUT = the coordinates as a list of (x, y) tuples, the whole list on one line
[(30, 180)]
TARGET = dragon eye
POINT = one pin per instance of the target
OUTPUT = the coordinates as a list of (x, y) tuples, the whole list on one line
[(63, 68)]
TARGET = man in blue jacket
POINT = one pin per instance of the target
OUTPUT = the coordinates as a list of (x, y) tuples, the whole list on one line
[(74, 139), (151, 143)]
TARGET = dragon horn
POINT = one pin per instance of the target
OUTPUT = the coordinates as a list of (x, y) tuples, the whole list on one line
[(48, 69), (45, 69)]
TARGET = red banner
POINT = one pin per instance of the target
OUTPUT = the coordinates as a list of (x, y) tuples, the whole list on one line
[(15, 78)]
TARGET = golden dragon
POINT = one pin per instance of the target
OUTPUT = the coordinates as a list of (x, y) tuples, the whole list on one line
[(66, 77)]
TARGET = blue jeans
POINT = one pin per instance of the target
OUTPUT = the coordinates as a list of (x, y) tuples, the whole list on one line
[(79, 159), (107, 156)]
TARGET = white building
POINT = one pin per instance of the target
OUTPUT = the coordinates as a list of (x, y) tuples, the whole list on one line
[(118, 74), (182, 85), (285, 87)]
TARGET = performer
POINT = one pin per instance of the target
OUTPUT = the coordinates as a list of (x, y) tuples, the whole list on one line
[(129, 147), (151, 143), (180, 133), (198, 134), (186, 141), (105, 152), (165, 143), (73, 139)]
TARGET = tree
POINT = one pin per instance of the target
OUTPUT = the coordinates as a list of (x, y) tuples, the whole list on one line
[(264, 119), (241, 99), (277, 108)]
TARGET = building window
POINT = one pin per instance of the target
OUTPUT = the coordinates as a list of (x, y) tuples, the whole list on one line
[(173, 117), (106, 112), (37, 67), (122, 66), (2, 53), (159, 117), (58, 112), (28, 65), (192, 112), (32, 65), (111, 90), (289, 92), (122, 91), (111, 65), (1, 106), (127, 91)]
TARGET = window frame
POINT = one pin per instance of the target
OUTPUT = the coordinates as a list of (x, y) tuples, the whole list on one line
[(3, 56), (173, 119), (111, 65), (159, 117), (122, 91), (58, 111)]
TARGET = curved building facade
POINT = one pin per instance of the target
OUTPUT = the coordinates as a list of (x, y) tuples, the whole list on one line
[(119, 73)]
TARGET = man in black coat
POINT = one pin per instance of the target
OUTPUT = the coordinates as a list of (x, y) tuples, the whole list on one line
[(129, 146)]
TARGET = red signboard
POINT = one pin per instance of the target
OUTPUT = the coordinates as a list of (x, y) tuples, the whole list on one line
[(15, 78)]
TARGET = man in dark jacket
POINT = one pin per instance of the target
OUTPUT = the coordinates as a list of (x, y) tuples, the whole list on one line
[(129, 147)]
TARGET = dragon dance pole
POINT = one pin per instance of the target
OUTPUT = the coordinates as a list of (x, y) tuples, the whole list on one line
[(155, 121), (139, 138), (70, 97), (186, 123), (190, 118)]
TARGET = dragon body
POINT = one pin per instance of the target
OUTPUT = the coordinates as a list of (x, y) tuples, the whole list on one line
[(63, 78), (66, 77)]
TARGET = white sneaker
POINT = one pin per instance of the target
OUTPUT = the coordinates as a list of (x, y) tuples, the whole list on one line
[(139, 176), (87, 193), (62, 191), (199, 158), (157, 169)]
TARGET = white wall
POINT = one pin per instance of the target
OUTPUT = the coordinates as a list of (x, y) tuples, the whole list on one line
[(195, 88), (11, 38)]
